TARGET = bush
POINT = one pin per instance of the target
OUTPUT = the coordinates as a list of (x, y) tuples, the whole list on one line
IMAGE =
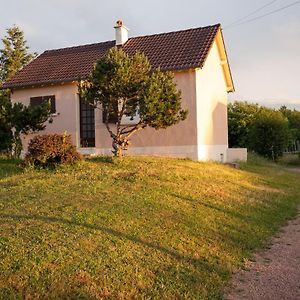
[(5, 140), (49, 150), (270, 134), (241, 116), (17, 119)]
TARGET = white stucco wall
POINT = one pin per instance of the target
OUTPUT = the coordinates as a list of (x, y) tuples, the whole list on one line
[(237, 155), (211, 91)]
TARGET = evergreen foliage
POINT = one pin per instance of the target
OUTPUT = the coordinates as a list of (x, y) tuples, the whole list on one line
[(241, 116), (5, 130), (294, 121), (17, 119), (14, 55), (125, 86), (266, 131), (270, 134)]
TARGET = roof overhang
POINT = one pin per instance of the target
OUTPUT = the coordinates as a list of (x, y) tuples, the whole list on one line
[(224, 61)]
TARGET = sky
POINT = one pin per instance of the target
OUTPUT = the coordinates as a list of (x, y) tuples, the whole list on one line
[(264, 55)]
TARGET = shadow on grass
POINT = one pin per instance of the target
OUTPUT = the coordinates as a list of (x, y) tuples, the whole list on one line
[(101, 159), (214, 207), (204, 266), (10, 167)]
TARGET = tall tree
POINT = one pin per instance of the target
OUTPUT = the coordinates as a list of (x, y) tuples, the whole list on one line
[(294, 121), (241, 116), (270, 134), (125, 86), (15, 53)]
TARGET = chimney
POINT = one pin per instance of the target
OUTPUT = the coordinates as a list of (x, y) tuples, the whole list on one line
[(121, 33)]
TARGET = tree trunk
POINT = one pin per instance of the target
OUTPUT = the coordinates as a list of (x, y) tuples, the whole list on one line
[(17, 146), (117, 147)]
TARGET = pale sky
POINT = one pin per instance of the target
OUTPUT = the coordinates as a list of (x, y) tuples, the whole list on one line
[(264, 55)]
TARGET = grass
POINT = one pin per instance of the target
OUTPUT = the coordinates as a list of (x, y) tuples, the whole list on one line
[(290, 160), (145, 228)]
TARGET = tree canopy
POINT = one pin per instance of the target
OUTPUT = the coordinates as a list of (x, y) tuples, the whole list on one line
[(294, 121), (15, 53), (241, 116), (269, 134), (17, 119), (266, 131), (124, 86)]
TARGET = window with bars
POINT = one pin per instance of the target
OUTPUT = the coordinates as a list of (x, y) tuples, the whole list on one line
[(34, 101), (87, 125)]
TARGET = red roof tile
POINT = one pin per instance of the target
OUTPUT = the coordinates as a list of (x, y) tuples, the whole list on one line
[(178, 50)]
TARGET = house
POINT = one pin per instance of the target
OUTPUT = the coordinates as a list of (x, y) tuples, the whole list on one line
[(196, 56)]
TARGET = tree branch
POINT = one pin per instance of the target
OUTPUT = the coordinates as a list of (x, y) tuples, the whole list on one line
[(134, 131)]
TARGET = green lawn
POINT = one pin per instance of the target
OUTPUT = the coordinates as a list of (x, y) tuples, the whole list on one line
[(145, 228)]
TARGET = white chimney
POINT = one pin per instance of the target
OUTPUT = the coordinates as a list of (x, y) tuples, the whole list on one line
[(121, 33)]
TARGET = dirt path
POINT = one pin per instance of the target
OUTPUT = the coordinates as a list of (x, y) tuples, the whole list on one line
[(294, 170), (273, 274)]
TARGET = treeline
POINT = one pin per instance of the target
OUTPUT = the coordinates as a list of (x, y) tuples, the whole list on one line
[(268, 132)]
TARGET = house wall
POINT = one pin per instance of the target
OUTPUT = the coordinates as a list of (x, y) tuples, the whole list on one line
[(236, 155), (211, 93), (179, 140), (202, 136), (67, 107)]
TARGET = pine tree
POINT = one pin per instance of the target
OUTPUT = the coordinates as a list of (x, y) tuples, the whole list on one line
[(125, 86), (15, 53)]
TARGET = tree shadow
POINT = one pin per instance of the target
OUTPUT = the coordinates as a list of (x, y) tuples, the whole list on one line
[(10, 167), (214, 207), (197, 263), (101, 159)]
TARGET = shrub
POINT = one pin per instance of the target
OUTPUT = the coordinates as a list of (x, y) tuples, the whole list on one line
[(49, 150), (241, 116), (270, 134), (17, 119)]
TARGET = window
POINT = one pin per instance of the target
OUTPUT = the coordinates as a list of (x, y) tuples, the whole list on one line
[(112, 116), (34, 101), (130, 120), (87, 125)]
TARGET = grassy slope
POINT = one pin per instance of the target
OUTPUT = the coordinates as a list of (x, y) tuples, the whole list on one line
[(143, 227)]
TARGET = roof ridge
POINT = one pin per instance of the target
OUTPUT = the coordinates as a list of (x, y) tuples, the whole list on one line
[(131, 38), (77, 46), (176, 31), (172, 51)]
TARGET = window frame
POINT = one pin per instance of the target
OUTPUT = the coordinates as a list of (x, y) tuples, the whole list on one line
[(42, 99)]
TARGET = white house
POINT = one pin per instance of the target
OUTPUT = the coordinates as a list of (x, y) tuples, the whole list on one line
[(196, 56)]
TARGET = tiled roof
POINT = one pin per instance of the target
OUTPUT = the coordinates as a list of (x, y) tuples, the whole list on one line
[(178, 50)]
